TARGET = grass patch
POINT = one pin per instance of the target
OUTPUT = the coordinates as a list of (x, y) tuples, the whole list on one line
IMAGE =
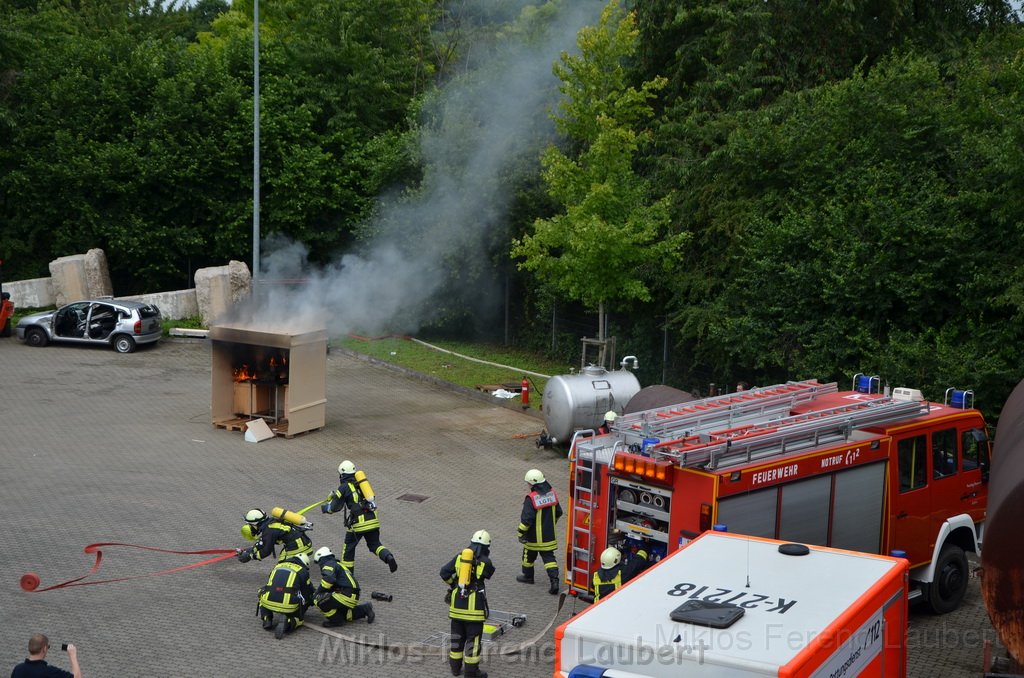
[(458, 370), (194, 323)]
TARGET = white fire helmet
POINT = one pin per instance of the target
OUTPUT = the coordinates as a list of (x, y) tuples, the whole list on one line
[(610, 557), (255, 515), (534, 476), (610, 415), (481, 537), (346, 468), (321, 553), (302, 558)]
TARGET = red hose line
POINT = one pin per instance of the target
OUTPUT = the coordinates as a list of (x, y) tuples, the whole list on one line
[(30, 580)]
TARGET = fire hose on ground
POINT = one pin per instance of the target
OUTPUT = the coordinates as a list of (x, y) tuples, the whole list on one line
[(30, 583), (30, 580)]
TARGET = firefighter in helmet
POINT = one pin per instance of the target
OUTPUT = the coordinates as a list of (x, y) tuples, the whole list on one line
[(268, 532), (338, 594), (614, 573), (355, 496), (283, 601), (467, 602), (609, 419), (541, 511)]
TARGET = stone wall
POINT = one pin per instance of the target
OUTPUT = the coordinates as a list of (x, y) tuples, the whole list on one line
[(84, 276)]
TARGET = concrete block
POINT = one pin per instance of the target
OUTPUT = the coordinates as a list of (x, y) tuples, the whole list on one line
[(68, 274), (80, 276), (175, 305), (34, 293), (97, 274), (218, 288)]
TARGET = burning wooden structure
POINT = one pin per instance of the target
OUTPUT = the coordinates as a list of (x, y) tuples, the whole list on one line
[(277, 376)]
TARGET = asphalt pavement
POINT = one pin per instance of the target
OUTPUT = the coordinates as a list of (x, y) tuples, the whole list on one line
[(103, 447)]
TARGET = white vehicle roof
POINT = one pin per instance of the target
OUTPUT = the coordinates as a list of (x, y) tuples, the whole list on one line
[(786, 600)]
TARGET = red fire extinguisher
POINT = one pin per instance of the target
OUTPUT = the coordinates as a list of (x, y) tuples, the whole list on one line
[(525, 392)]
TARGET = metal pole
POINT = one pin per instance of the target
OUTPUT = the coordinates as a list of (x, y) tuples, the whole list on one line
[(255, 141)]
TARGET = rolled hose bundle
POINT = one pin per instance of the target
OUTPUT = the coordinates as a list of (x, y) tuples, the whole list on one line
[(30, 580)]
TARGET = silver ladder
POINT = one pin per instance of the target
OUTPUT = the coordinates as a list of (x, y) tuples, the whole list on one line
[(790, 434), (582, 546), (734, 409)]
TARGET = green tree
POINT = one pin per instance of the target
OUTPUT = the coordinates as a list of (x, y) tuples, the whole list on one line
[(859, 224), (611, 238)]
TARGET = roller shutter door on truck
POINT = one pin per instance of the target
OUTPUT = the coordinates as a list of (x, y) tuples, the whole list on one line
[(852, 499)]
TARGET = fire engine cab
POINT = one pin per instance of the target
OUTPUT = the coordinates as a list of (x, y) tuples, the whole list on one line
[(803, 461)]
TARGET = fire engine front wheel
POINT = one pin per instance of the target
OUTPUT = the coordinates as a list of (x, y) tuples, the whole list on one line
[(950, 583)]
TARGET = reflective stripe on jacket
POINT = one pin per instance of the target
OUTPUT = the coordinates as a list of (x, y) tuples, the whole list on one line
[(287, 588), (541, 511)]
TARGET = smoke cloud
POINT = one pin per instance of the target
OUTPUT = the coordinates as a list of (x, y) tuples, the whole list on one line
[(424, 245)]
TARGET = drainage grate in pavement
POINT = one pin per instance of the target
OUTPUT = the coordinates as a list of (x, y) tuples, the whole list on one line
[(415, 498)]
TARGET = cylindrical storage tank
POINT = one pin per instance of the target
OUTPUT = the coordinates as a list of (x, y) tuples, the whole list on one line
[(1002, 558), (575, 402)]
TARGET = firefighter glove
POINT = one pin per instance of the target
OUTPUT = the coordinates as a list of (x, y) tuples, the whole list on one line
[(244, 555), (523, 539), (325, 507)]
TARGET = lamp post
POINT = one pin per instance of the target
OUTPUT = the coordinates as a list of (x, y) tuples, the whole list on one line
[(255, 141)]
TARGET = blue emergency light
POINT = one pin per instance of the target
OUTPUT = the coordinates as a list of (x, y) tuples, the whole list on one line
[(863, 383), (587, 671), (959, 399)]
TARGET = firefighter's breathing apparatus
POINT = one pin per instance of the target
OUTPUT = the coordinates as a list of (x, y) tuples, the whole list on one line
[(365, 489), (291, 517), (466, 561)]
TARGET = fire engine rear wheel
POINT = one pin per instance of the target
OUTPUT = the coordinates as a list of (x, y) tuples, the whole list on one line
[(36, 337), (950, 583), (124, 344)]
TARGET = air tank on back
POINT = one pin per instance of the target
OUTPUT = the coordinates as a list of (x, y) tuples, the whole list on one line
[(575, 402)]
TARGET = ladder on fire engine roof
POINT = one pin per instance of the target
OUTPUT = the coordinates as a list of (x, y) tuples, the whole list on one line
[(582, 536), (734, 409), (774, 438)]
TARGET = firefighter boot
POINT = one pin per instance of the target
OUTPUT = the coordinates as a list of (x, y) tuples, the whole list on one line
[(280, 626), (455, 665), (526, 577), (392, 563), (268, 623), (553, 576), (473, 671), (365, 610)]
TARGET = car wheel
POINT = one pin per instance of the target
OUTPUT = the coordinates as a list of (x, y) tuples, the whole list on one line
[(36, 337), (124, 344), (950, 582)]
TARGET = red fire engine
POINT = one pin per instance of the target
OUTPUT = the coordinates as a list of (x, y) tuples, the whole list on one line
[(800, 461)]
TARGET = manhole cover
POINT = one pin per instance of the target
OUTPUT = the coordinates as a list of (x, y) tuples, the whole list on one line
[(415, 498)]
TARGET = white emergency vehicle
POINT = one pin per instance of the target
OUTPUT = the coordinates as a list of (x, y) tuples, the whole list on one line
[(728, 606)]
